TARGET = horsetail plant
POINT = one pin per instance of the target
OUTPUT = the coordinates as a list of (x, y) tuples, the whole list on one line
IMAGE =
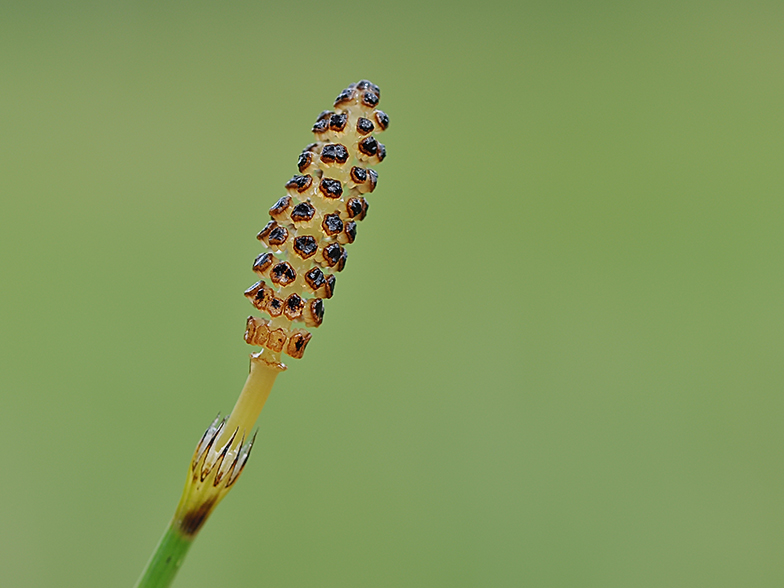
[(304, 249)]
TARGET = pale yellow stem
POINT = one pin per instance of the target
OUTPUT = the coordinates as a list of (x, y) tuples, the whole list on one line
[(252, 398), (218, 462)]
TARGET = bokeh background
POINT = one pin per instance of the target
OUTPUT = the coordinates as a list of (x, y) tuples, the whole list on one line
[(555, 358)]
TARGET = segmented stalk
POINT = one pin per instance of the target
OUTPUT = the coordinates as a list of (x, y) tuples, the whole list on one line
[(305, 247)]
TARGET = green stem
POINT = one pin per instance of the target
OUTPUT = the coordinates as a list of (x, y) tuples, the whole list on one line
[(166, 560)]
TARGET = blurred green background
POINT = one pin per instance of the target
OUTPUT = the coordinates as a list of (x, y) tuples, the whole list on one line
[(555, 358)]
